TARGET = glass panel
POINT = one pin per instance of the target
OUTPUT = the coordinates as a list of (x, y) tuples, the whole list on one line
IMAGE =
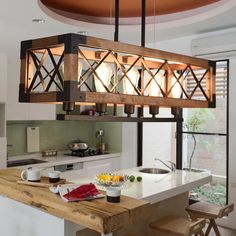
[(207, 119), (205, 152), (208, 150)]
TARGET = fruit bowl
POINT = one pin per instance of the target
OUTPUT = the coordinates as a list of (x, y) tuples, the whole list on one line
[(108, 179)]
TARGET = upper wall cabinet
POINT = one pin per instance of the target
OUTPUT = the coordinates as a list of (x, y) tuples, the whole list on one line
[(23, 111)]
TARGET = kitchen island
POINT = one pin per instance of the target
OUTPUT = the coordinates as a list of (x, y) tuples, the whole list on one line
[(43, 213)]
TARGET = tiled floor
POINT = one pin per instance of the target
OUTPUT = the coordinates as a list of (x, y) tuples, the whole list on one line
[(224, 232)]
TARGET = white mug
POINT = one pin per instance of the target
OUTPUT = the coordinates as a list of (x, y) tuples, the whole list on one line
[(32, 175)]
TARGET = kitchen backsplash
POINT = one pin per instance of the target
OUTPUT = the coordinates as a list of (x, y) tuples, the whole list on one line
[(57, 134), (112, 135)]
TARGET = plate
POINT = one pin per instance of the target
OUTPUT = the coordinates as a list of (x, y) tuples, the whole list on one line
[(65, 188), (114, 179)]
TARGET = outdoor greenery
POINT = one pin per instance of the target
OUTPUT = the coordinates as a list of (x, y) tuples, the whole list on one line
[(215, 194), (195, 123)]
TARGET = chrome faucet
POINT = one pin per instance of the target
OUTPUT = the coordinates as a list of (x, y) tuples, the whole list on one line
[(172, 166)]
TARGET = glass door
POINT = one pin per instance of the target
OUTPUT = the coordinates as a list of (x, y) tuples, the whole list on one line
[(205, 140)]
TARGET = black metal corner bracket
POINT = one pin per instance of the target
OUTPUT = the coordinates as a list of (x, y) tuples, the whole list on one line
[(25, 45), (71, 42)]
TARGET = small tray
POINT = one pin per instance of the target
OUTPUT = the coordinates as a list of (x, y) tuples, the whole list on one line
[(44, 182)]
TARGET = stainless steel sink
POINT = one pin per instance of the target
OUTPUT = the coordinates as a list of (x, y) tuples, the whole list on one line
[(154, 171), (24, 162)]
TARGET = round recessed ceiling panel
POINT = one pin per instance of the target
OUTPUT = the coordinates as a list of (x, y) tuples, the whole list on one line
[(96, 11)]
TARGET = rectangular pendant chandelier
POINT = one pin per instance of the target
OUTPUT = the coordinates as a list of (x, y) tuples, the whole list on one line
[(75, 69)]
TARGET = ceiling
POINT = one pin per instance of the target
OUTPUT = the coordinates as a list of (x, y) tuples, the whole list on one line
[(131, 8), (16, 23)]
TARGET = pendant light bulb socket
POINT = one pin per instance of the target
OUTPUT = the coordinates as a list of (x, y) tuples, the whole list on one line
[(101, 108), (129, 109), (68, 107), (175, 111), (153, 110)]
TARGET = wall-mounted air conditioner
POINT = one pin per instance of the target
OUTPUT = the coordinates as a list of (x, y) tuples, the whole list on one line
[(221, 45)]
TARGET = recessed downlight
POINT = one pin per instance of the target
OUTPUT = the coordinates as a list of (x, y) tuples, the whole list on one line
[(38, 20), (83, 32)]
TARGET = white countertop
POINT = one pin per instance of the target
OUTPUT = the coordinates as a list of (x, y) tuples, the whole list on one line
[(61, 159), (157, 187)]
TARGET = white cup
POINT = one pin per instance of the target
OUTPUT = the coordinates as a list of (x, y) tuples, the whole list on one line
[(33, 175), (113, 194)]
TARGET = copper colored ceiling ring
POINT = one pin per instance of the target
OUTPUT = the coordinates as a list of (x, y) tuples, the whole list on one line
[(128, 8)]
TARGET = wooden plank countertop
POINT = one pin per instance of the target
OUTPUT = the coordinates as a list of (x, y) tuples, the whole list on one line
[(99, 215)]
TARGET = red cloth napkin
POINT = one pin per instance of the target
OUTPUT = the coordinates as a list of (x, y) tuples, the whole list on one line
[(83, 192)]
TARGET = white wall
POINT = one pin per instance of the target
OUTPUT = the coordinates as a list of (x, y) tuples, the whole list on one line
[(3, 77), (177, 45), (159, 140), (3, 85), (232, 137)]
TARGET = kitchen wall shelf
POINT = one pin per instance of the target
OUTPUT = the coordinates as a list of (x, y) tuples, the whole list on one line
[(109, 118)]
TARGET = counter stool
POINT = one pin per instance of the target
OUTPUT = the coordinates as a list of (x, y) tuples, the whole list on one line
[(209, 211), (177, 226)]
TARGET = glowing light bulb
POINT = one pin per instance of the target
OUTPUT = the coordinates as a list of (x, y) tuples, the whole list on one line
[(176, 90), (80, 67), (133, 75), (159, 78), (104, 71)]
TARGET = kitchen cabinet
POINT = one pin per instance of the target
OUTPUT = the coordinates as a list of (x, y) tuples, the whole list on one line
[(29, 111), (71, 171), (86, 169), (45, 171), (76, 168), (23, 111), (93, 168), (41, 111), (73, 174), (68, 175)]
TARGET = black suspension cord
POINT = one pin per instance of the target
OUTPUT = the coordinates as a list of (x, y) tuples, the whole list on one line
[(117, 10), (140, 109)]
